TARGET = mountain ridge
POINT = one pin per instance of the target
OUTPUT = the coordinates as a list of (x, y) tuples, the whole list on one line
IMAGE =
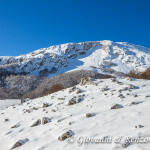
[(106, 56)]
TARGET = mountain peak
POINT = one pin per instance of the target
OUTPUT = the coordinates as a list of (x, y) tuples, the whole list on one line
[(100, 56)]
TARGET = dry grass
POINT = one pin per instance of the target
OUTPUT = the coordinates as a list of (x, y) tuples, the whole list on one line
[(140, 75)]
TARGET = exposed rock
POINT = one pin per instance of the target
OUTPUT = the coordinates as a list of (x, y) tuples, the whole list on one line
[(19, 143), (52, 97), (89, 115), (135, 95), (75, 100), (79, 91), (61, 98), (72, 89), (113, 80), (135, 103), (120, 91), (65, 135), (85, 81), (23, 100), (117, 106), (72, 56), (15, 126), (45, 120), (46, 105), (6, 120), (128, 78), (36, 123), (82, 53), (105, 88), (53, 110), (121, 96), (120, 83), (125, 145), (125, 89), (112, 94), (131, 86), (35, 108), (70, 123), (139, 126), (147, 96), (71, 102), (27, 110)]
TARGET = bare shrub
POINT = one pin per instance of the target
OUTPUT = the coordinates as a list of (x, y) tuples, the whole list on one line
[(55, 88), (140, 75)]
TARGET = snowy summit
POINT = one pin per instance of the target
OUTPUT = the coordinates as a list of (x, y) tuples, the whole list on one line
[(101, 56)]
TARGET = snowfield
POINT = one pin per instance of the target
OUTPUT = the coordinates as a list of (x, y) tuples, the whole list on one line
[(99, 56), (6, 103), (96, 97)]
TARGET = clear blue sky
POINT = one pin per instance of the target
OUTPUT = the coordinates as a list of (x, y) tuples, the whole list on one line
[(27, 25)]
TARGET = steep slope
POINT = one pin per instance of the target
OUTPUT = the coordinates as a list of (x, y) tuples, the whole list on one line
[(100, 56), (96, 97)]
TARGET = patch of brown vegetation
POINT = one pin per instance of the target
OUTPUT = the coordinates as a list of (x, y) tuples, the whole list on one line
[(140, 75)]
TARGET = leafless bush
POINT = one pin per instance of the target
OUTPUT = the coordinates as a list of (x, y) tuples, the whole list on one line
[(140, 75), (55, 88)]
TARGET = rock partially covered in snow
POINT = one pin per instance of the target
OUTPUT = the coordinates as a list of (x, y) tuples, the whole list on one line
[(36, 123), (66, 135), (19, 143), (45, 120), (116, 106)]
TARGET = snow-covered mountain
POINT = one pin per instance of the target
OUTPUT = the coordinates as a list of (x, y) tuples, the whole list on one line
[(87, 111), (100, 56)]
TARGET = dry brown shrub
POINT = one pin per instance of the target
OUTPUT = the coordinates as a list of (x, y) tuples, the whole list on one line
[(54, 88), (140, 75)]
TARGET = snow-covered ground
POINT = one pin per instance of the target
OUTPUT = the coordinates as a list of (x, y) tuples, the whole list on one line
[(100, 56), (6, 103), (96, 98)]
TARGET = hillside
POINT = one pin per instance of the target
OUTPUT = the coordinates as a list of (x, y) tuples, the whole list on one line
[(87, 110), (31, 86)]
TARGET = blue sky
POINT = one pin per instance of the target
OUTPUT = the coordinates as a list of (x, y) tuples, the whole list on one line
[(27, 25)]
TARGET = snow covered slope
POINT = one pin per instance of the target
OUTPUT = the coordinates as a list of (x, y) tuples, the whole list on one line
[(100, 56), (97, 97)]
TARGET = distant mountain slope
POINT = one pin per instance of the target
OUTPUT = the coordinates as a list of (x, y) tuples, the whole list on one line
[(100, 56), (31, 86)]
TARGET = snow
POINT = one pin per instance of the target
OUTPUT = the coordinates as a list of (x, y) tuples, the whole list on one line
[(6, 103), (124, 57), (105, 122)]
